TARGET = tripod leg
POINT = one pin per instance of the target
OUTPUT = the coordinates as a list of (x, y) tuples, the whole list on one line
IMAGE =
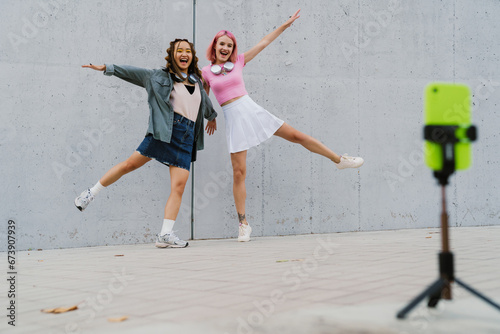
[(477, 294), (433, 290), (436, 297), (444, 293)]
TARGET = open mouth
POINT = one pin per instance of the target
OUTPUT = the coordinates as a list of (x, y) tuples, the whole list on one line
[(224, 53), (183, 61)]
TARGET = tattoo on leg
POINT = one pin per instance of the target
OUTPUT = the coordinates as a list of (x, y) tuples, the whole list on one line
[(241, 217)]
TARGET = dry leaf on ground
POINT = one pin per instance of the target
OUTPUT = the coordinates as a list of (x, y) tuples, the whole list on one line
[(60, 309), (120, 319)]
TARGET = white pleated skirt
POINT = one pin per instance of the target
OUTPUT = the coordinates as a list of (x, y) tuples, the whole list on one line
[(248, 124)]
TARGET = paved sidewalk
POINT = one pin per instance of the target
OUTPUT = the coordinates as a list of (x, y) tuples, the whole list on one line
[(323, 283)]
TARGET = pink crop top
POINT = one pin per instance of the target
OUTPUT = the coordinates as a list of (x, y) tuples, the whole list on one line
[(229, 86)]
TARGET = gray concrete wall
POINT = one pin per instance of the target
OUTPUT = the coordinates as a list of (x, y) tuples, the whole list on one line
[(348, 73)]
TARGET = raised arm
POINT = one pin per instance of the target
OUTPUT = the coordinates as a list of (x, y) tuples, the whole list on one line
[(136, 75), (250, 54)]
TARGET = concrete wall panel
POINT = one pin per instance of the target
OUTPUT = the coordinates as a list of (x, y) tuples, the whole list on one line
[(351, 74)]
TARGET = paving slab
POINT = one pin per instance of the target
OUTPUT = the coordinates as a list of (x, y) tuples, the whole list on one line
[(317, 283)]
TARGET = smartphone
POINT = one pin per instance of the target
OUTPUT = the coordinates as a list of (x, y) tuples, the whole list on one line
[(448, 104)]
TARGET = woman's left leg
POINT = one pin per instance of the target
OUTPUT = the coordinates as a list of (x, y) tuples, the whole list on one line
[(312, 144), (178, 180)]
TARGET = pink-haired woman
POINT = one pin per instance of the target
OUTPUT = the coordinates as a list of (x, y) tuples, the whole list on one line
[(247, 123)]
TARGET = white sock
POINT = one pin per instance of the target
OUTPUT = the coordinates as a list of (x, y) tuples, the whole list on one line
[(168, 225), (97, 188)]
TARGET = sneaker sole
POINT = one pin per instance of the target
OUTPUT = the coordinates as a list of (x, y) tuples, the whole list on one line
[(243, 240), (161, 245), (346, 167), (78, 207)]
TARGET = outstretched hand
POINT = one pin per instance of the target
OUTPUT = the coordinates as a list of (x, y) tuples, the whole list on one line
[(292, 19), (96, 67), (250, 54), (211, 127)]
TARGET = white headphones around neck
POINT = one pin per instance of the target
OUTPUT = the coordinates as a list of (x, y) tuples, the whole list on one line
[(217, 69)]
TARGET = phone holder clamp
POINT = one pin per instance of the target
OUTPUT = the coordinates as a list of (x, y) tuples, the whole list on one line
[(447, 136)]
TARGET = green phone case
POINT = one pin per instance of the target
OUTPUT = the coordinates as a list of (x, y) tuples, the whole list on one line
[(447, 104)]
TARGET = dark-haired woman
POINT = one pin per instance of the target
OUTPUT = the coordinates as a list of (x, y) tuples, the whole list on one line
[(175, 130)]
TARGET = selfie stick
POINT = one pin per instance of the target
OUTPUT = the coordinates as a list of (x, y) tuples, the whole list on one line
[(446, 136)]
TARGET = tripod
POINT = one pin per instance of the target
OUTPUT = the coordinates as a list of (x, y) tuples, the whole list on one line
[(441, 288)]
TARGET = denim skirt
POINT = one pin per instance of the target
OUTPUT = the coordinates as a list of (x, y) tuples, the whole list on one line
[(176, 153)]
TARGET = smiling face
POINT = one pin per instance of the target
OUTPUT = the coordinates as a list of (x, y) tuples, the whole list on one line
[(223, 49), (183, 55)]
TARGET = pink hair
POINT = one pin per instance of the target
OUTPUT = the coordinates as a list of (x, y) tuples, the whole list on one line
[(211, 49)]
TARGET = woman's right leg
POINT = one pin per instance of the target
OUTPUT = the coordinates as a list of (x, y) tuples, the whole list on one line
[(135, 161), (239, 162)]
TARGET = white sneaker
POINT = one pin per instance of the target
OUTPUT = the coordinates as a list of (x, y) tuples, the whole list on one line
[(82, 201), (170, 240), (350, 162), (245, 231)]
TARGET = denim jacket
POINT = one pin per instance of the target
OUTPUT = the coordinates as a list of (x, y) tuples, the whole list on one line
[(159, 84)]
